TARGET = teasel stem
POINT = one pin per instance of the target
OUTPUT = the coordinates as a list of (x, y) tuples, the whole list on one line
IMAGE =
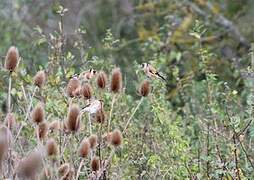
[(9, 95), (79, 168), (27, 113), (90, 123), (111, 110), (133, 113)]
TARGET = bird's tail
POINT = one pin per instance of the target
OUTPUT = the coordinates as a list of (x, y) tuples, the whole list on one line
[(158, 74)]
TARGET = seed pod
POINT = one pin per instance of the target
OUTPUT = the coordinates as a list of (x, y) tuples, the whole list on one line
[(84, 149), (39, 79), (144, 89), (73, 120), (12, 58), (93, 141), (38, 114), (102, 80), (116, 138), (52, 148), (116, 80), (86, 91), (95, 164), (73, 84)]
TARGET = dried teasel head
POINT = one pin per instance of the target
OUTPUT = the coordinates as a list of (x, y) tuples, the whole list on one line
[(84, 148), (5, 141), (100, 116), (10, 121), (93, 141), (116, 80), (86, 91), (40, 78), (95, 164), (116, 138), (102, 80), (144, 89), (55, 125), (52, 148), (64, 169), (12, 58), (77, 92), (73, 119), (30, 166), (72, 86), (38, 113), (42, 130)]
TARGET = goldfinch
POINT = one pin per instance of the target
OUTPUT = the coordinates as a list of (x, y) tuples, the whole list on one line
[(87, 75), (151, 72), (93, 107)]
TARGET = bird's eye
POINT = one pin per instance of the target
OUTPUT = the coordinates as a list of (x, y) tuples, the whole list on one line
[(94, 71)]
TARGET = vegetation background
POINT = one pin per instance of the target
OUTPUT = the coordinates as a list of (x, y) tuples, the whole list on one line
[(197, 125)]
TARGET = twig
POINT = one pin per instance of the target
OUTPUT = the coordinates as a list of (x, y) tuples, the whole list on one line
[(79, 168), (9, 95), (246, 154), (111, 110)]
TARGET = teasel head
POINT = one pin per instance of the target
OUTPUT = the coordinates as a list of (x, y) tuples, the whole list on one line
[(100, 116), (95, 164), (38, 113), (102, 80), (72, 86), (40, 79), (84, 148), (144, 89), (86, 91), (31, 165), (116, 80), (64, 170), (52, 148), (10, 121), (11, 59), (93, 139), (55, 125), (116, 138), (73, 119), (42, 131), (77, 92), (5, 142)]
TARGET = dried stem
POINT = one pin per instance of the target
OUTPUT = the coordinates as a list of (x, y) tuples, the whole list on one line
[(79, 168), (111, 110), (9, 95)]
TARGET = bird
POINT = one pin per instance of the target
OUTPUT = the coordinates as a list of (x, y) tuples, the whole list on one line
[(151, 72), (87, 75), (94, 106)]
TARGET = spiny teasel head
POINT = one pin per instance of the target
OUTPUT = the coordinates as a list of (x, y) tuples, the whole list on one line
[(40, 78), (66, 171), (84, 148), (116, 80), (72, 86), (93, 141), (77, 92), (10, 121), (73, 119), (5, 141), (116, 138), (100, 116), (31, 165), (38, 113), (86, 91), (11, 59), (144, 89), (52, 148), (42, 130), (102, 80), (95, 164), (55, 125)]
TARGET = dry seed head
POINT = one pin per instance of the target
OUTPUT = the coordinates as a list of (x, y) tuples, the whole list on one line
[(116, 80), (95, 164), (93, 141), (5, 141), (42, 130), (73, 120), (116, 138), (144, 88), (38, 114), (100, 116), (84, 148), (73, 84), (86, 91), (40, 78), (102, 80), (77, 92), (31, 165), (12, 58), (52, 148), (10, 121), (64, 169)]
